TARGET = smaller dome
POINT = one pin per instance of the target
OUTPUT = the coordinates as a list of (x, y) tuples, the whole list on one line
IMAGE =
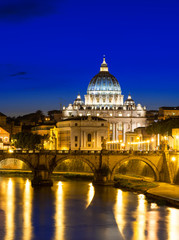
[(129, 101), (78, 101)]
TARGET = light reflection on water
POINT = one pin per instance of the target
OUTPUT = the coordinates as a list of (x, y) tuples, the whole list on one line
[(73, 207), (27, 211), (59, 213), (173, 219), (10, 207), (90, 194), (119, 211), (153, 218), (139, 224)]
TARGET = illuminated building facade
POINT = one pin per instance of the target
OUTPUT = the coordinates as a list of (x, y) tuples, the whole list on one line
[(84, 133), (175, 134), (4, 139), (167, 112), (104, 99), (43, 129)]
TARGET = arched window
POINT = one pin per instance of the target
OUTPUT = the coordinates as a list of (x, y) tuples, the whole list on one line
[(89, 137)]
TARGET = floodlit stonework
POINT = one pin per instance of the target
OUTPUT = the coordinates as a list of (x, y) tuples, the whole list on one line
[(4, 139), (104, 99), (79, 133)]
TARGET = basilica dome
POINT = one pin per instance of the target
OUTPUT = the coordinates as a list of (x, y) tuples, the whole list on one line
[(104, 82)]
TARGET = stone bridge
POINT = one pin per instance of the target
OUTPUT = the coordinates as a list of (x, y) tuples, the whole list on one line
[(165, 165)]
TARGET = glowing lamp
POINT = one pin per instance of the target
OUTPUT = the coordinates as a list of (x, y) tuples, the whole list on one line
[(173, 159)]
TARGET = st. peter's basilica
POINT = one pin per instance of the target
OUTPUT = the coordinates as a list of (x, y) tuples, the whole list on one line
[(104, 99)]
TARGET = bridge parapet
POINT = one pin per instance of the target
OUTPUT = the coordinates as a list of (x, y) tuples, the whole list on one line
[(84, 152)]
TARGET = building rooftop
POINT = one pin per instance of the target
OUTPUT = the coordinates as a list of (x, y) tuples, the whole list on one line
[(2, 115), (169, 108), (84, 118)]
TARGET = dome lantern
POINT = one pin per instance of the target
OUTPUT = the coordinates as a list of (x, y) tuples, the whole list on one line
[(104, 66)]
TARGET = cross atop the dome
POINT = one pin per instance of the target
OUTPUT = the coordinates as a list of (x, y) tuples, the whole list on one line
[(104, 66)]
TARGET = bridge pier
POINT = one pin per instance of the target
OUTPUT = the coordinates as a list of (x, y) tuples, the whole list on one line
[(42, 177), (102, 176)]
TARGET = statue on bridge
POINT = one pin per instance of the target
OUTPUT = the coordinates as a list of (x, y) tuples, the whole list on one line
[(103, 145)]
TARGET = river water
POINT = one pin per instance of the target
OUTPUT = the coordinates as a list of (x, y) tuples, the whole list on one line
[(75, 210)]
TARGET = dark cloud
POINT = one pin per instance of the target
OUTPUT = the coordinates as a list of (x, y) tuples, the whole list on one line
[(18, 74), (21, 9)]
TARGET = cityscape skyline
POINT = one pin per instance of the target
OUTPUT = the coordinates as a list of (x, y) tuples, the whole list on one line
[(51, 51)]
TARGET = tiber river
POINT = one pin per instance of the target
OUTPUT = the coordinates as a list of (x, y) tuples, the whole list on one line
[(75, 210)]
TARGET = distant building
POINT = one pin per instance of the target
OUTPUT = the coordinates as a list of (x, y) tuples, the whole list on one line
[(167, 112), (152, 116), (55, 115), (84, 133), (8, 125), (4, 139), (175, 134), (104, 99), (43, 129), (139, 140)]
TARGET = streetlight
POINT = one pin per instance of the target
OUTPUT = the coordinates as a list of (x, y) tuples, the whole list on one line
[(173, 159)]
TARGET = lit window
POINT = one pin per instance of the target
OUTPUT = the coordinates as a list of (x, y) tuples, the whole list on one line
[(120, 114), (97, 114), (111, 114)]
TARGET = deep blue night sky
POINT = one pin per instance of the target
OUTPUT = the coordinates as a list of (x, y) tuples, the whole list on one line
[(51, 49)]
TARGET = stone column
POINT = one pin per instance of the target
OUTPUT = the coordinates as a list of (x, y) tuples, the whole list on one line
[(95, 139), (117, 137), (113, 131), (81, 139), (124, 131)]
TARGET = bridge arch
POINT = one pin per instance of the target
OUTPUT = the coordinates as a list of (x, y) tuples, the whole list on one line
[(143, 159), (83, 159), (24, 160)]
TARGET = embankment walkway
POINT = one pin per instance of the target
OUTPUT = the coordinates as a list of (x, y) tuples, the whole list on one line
[(166, 192)]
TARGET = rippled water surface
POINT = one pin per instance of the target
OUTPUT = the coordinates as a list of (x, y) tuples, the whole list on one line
[(75, 210)]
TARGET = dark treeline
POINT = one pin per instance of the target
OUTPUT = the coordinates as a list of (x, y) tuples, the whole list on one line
[(163, 127)]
